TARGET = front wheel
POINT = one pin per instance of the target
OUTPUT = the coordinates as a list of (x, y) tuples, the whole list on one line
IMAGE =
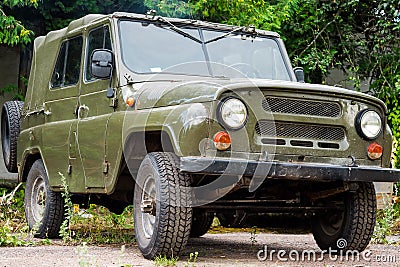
[(44, 208), (351, 228), (162, 212)]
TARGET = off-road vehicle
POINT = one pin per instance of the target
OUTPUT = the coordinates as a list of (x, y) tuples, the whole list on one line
[(187, 119)]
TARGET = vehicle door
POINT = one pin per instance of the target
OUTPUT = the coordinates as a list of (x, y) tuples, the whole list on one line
[(93, 113), (59, 108)]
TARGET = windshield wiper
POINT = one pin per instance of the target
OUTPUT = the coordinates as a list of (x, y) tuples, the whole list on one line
[(225, 35), (177, 30)]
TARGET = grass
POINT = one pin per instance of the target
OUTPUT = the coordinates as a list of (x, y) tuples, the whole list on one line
[(95, 225), (165, 261)]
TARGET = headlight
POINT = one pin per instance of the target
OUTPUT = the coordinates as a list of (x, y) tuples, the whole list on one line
[(232, 113), (369, 124)]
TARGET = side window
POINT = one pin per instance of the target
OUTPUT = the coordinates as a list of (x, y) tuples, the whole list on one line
[(98, 39), (68, 65)]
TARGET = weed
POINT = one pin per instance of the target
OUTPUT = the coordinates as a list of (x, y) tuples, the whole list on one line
[(165, 261), (192, 259), (12, 232), (65, 232), (97, 225), (9, 239), (84, 259), (386, 220), (253, 235)]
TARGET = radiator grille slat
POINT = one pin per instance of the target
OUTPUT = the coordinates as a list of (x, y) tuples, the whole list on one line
[(303, 131), (301, 107)]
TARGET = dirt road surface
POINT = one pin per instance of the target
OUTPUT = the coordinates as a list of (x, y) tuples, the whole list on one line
[(233, 249)]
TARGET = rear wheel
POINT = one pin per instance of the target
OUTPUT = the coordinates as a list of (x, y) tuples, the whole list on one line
[(44, 208), (234, 219), (10, 127), (352, 228), (161, 206), (201, 222)]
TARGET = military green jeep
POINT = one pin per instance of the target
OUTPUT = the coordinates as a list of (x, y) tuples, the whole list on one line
[(187, 120)]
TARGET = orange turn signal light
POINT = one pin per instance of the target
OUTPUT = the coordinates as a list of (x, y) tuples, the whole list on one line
[(130, 101), (375, 151), (222, 141)]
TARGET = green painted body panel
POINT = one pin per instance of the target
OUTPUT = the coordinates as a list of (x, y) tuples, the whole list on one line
[(81, 133), (91, 131)]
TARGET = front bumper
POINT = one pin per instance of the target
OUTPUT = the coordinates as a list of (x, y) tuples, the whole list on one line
[(290, 171)]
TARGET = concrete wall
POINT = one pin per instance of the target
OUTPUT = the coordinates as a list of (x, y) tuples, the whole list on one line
[(337, 77), (9, 65), (9, 74)]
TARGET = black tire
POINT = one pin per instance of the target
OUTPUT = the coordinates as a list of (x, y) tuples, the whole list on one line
[(162, 212), (10, 127), (232, 219), (44, 208), (352, 228), (201, 222)]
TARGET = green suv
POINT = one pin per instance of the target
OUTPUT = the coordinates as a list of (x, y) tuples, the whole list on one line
[(186, 120)]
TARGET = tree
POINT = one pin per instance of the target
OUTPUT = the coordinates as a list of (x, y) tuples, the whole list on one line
[(56, 14), (361, 37), (12, 32)]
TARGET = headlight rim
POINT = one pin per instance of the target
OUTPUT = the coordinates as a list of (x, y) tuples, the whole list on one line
[(359, 128), (221, 120)]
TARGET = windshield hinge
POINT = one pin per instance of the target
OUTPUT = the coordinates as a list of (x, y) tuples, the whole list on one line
[(151, 14)]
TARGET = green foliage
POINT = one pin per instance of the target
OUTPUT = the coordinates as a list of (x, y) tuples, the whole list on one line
[(192, 259), (165, 261), (386, 220), (65, 232), (14, 91), (8, 238), (97, 225), (12, 32), (259, 13), (58, 14), (12, 214)]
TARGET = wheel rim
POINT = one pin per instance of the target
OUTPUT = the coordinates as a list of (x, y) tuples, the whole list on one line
[(148, 206), (38, 199), (331, 224)]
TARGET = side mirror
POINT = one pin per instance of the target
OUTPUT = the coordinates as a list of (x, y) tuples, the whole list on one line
[(102, 63), (299, 73)]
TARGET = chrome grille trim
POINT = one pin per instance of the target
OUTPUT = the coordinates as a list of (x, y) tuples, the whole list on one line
[(301, 107), (302, 131)]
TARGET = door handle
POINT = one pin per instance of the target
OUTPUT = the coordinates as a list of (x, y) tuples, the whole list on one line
[(82, 111)]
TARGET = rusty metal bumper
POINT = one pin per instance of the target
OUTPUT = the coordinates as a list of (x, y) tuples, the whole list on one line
[(284, 170)]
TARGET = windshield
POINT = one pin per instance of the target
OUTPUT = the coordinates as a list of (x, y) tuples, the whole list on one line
[(155, 48)]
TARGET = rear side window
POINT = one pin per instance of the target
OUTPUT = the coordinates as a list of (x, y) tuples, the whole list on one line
[(98, 39), (68, 65)]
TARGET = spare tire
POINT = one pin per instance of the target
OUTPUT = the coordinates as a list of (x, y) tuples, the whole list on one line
[(10, 127)]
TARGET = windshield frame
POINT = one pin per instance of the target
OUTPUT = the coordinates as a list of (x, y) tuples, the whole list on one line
[(225, 33)]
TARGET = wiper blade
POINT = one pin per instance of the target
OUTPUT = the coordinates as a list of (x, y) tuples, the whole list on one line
[(177, 30), (225, 35)]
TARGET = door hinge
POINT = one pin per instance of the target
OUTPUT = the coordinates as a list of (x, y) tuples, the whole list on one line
[(106, 166), (114, 102)]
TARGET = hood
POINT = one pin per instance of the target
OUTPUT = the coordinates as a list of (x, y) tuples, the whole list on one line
[(167, 93)]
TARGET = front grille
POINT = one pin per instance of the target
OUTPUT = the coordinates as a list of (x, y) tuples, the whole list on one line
[(303, 131), (302, 107)]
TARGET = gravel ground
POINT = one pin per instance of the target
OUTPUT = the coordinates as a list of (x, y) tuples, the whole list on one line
[(233, 249)]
